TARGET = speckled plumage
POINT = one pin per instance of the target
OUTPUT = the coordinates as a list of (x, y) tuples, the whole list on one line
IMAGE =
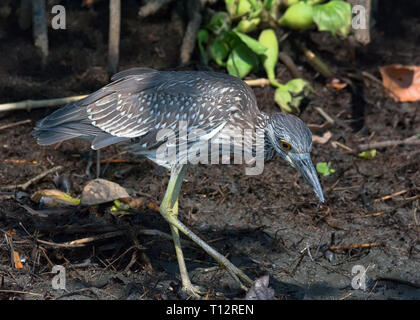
[(139, 102)]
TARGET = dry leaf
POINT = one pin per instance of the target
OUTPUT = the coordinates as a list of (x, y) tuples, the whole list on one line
[(153, 206), (402, 82), (100, 191), (322, 140), (16, 259), (54, 198), (336, 84)]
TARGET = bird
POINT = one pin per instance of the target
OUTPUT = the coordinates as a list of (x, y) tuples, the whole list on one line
[(141, 105)]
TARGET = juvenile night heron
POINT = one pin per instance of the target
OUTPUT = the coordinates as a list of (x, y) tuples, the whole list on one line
[(140, 103)]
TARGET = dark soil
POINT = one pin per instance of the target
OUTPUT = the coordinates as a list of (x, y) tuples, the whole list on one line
[(262, 223)]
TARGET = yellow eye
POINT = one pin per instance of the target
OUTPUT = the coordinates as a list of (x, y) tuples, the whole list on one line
[(285, 145)]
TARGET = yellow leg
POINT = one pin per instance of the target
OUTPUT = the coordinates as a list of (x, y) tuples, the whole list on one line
[(169, 210)]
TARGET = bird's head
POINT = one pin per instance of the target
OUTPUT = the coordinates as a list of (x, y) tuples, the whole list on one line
[(288, 136)]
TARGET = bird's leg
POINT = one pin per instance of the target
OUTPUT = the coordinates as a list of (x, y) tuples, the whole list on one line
[(98, 163), (169, 210)]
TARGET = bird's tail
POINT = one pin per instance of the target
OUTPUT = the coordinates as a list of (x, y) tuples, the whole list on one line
[(68, 122)]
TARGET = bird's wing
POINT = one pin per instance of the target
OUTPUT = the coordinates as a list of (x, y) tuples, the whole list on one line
[(143, 101)]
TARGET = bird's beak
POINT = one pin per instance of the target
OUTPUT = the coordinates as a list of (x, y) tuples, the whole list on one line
[(303, 164)]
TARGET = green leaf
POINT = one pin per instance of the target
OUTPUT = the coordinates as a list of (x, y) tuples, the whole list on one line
[(334, 16), (298, 86), (290, 95), (253, 44), (324, 168), (283, 98), (299, 89), (257, 7), (241, 60), (268, 39), (247, 25), (238, 8), (219, 23), (268, 4), (219, 50), (368, 154), (297, 16), (203, 38)]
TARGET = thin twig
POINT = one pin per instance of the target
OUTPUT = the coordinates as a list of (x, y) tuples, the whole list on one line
[(258, 82), (31, 104), (391, 195), (114, 35), (389, 143), (11, 125), (26, 185), (354, 246), (288, 62), (21, 292), (82, 242), (190, 36), (152, 7), (376, 214), (325, 115)]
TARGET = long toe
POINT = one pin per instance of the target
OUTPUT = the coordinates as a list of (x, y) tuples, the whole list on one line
[(192, 290)]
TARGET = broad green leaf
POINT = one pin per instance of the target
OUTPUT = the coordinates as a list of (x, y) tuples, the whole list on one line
[(238, 7), (298, 86), (289, 3), (290, 95), (324, 168), (257, 7), (368, 154), (219, 23), (203, 38), (247, 25), (268, 4), (334, 16), (268, 39), (219, 50), (283, 98), (297, 16), (253, 44), (241, 60)]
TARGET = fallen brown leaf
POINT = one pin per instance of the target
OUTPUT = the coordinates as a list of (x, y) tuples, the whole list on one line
[(402, 82), (16, 260), (322, 140)]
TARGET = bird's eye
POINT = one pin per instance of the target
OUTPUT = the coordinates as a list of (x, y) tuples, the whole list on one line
[(285, 145)]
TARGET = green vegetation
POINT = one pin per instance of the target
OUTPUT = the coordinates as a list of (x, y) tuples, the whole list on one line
[(324, 168), (243, 38)]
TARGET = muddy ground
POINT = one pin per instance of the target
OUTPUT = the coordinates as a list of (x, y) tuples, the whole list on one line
[(262, 223)]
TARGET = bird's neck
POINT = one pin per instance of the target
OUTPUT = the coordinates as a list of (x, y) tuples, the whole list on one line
[(269, 151)]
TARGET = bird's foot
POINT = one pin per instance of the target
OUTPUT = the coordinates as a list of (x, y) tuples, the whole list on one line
[(193, 290)]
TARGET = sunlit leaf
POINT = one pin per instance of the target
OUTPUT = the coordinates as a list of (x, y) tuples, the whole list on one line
[(324, 168), (297, 16), (241, 60), (238, 7), (334, 16), (253, 44), (368, 154), (247, 25), (298, 89), (283, 98), (268, 39)]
